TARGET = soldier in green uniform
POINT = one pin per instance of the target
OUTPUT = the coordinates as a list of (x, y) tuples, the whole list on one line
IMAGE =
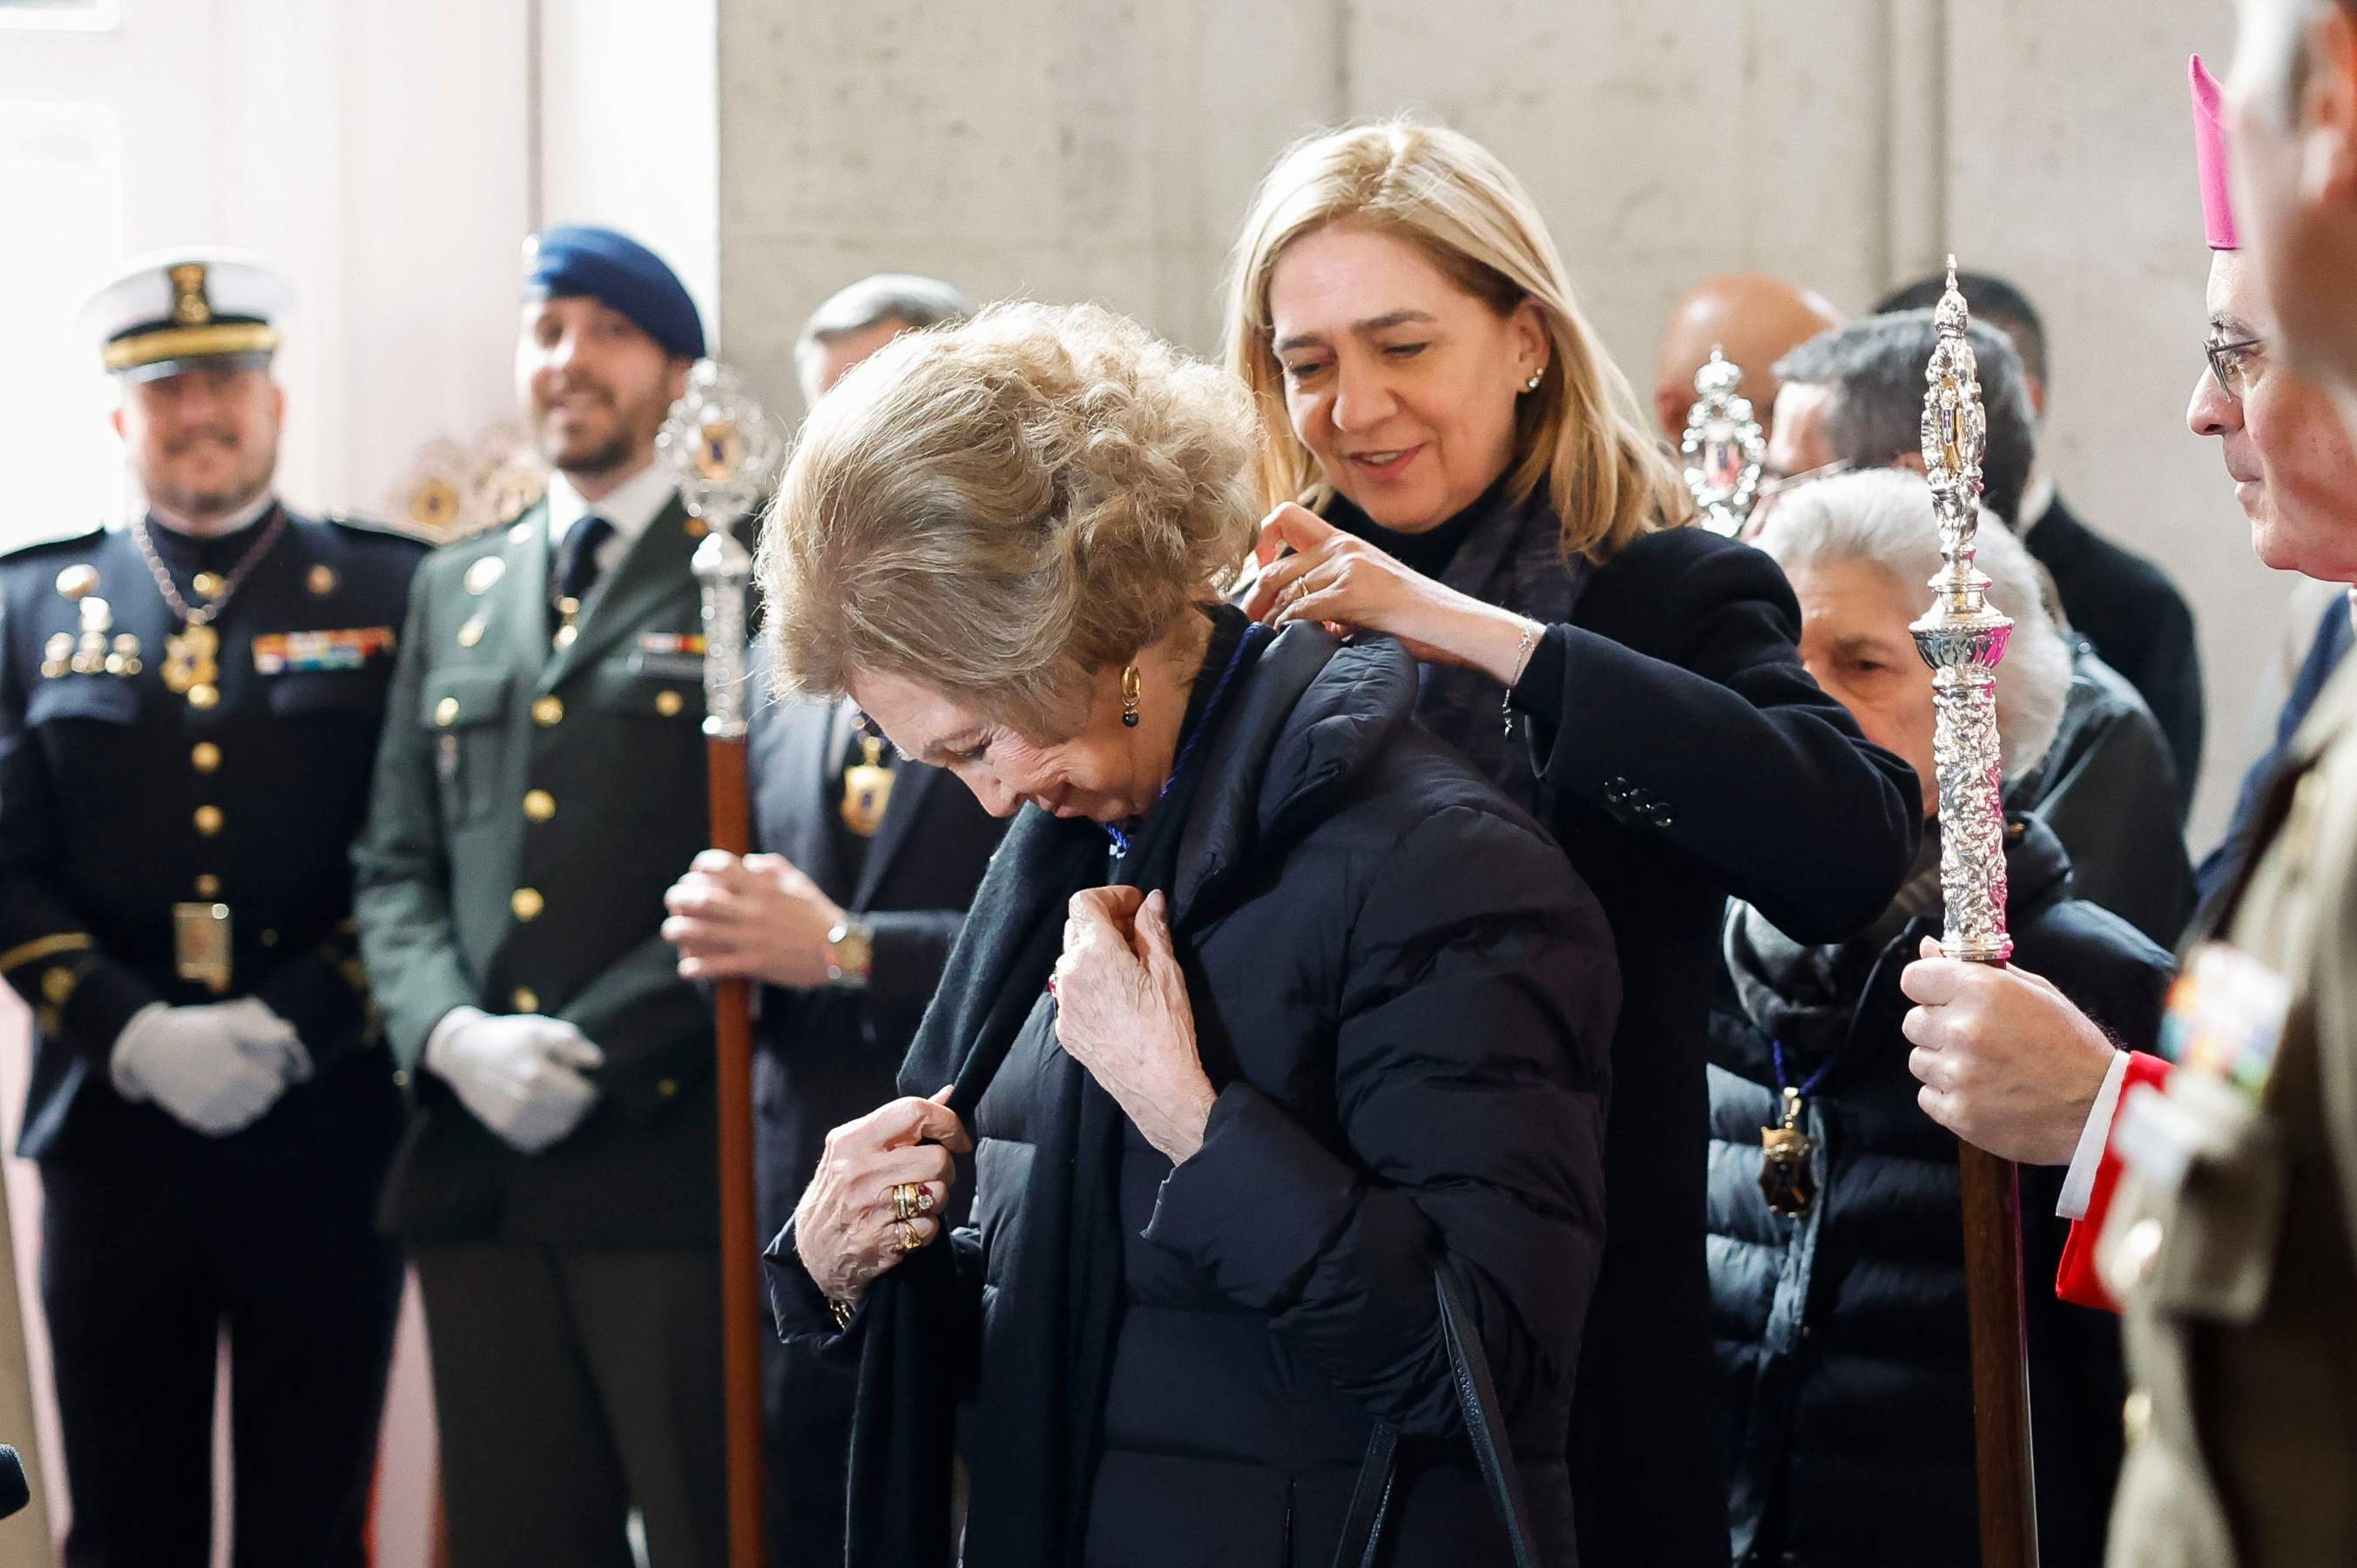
[(541, 784), (188, 712)]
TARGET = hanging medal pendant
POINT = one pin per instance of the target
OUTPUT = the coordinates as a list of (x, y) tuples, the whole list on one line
[(867, 788), (1788, 1179), (191, 656)]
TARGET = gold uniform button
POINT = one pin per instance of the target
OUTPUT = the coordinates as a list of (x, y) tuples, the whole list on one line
[(471, 633), (209, 820), (320, 580), (208, 885), (668, 704), (539, 805), (548, 712), (667, 1088), (206, 584), (56, 985), (563, 637), (205, 757), (2136, 1415), (526, 999), (203, 695), (445, 712), (527, 903), (400, 1079)]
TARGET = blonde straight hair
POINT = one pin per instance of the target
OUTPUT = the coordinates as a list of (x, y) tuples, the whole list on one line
[(1582, 432)]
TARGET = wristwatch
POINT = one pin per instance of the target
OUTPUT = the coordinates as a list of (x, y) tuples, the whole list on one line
[(850, 954)]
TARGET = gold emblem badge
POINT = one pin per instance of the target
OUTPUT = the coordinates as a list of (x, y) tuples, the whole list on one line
[(484, 573), (192, 663), (867, 788), (191, 307), (321, 581), (78, 581)]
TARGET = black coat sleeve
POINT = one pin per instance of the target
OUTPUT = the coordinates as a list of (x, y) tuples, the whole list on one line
[(1470, 1081), (1678, 705)]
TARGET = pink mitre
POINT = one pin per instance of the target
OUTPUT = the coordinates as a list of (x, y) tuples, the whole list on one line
[(2210, 157)]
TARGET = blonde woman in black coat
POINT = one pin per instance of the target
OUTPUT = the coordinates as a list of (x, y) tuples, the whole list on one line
[(1475, 476)]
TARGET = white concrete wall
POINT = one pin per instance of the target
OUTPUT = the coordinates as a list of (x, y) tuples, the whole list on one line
[(1107, 151), (629, 132)]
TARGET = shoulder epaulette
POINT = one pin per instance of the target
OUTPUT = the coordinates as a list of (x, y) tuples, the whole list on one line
[(376, 528), (55, 542)]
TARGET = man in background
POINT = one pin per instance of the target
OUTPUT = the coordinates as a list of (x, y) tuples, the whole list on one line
[(558, 1185), (1754, 320), (188, 714)]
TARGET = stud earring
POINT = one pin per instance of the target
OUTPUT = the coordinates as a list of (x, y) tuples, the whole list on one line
[(1129, 689), (1532, 384)]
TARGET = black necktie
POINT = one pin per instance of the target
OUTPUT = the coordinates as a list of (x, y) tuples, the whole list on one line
[(576, 561)]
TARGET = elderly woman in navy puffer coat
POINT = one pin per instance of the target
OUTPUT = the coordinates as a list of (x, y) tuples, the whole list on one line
[(1837, 1265)]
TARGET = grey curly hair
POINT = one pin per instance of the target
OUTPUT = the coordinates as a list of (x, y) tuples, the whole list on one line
[(998, 510)]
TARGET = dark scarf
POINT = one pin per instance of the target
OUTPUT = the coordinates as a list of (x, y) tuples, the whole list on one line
[(1042, 1386), (1805, 996), (1510, 553)]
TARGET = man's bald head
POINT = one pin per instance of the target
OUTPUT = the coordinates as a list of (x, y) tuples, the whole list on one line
[(1754, 319)]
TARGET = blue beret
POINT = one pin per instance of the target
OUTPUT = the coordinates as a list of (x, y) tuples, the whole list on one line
[(618, 271)]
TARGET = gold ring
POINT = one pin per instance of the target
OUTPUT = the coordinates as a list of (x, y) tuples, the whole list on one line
[(910, 1239), (904, 1200)]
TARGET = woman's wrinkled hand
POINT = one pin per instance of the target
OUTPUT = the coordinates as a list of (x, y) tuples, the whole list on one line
[(1122, 1013), (845, 1231), (760, 917), (1340, 579)]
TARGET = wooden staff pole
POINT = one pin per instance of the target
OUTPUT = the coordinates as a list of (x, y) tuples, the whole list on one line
[(728, 456), (1962, 638)]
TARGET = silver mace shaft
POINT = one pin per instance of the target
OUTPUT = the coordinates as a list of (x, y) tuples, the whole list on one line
[(1963, 639)]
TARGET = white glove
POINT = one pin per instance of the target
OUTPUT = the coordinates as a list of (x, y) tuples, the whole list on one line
[(520, 1074), (215, 1068)]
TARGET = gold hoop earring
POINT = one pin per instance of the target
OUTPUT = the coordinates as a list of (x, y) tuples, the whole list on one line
[(1129, 692)]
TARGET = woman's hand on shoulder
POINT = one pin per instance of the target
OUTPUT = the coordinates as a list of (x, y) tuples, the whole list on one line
[(845, 1231), (1342, 580), (1121, 1012)]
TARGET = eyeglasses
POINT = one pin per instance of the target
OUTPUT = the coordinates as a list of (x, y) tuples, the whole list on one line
[(1772, 485), (2231, 362)]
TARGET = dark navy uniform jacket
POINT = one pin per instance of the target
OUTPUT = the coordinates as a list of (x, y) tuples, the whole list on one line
[(120, 798)]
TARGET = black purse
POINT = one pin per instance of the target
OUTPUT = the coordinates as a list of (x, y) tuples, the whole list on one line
[(1362, 1525)]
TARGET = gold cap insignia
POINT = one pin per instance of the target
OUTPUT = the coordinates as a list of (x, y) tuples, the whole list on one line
[(191, 307), (78, 580), (484, 573)]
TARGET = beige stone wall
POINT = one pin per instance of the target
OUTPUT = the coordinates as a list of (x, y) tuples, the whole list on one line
[(1107, 151)]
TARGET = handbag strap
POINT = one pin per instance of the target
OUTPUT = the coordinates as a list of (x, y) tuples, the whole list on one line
[(1362, 1525)]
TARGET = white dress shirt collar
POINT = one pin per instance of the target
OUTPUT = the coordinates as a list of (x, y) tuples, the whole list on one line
[(631, 507)]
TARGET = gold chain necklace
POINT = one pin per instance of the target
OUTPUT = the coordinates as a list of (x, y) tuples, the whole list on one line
[(191, 657)]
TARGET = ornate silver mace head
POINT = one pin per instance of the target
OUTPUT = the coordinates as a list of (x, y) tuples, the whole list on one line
[(1723, 449), (1963, 638), (726, 455)]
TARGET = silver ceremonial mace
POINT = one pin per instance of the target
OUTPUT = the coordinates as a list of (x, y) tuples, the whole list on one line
[(1723, 449), (1962, 638), (726, 455)]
